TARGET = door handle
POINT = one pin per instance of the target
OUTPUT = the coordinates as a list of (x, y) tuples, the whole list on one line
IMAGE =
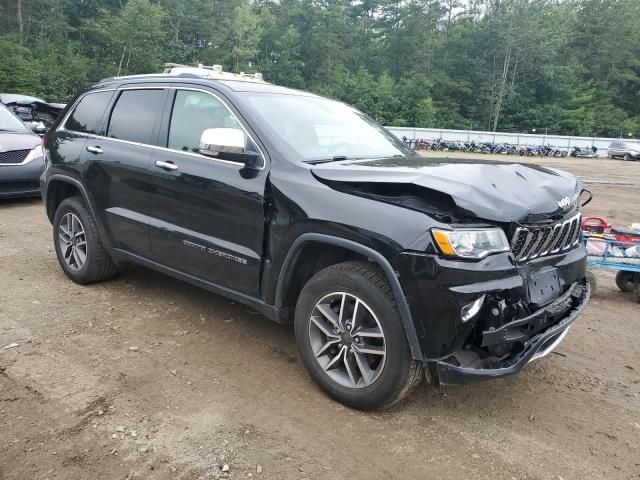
[(166, 165), (95, 150)]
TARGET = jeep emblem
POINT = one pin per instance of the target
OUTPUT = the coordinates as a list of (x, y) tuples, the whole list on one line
[(564, 202)]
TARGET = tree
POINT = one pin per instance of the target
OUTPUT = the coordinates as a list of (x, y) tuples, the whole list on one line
[(18, 70), (132, 40), (246, 32), (568, 66), (426, 113)]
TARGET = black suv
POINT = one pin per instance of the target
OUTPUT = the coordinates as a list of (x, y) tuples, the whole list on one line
[(390, 265)]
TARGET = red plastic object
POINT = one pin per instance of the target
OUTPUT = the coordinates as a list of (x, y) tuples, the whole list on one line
[(625, 235), (595, 225)]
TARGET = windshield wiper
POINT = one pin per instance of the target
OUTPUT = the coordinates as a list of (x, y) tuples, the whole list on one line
[(337, 158)]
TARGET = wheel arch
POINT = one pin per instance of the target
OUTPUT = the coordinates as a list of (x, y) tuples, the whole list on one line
[(59, 187), (292, 278)]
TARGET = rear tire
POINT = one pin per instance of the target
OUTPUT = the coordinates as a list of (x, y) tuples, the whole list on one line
[(80, 252), (627, 281), (627, 157), (336, 305)]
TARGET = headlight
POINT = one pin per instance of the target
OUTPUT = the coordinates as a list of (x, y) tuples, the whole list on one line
[(37, 152), (472, 243)]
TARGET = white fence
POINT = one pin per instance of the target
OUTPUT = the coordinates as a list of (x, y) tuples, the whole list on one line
[(502, 137)]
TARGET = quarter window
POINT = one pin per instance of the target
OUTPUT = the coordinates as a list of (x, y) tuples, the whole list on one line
[(86, 117), (192, 114), (134, 116)]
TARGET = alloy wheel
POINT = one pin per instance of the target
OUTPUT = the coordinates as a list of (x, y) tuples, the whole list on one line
[(347, 340), (73, 241)]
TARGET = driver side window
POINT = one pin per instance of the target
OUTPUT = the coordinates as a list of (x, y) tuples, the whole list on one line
[(193, 113)]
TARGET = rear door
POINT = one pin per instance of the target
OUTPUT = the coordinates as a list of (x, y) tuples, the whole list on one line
[(208, 214), (118, 165)]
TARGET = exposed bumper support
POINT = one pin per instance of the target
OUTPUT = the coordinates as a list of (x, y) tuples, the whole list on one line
[(522, 329), (537, 346)]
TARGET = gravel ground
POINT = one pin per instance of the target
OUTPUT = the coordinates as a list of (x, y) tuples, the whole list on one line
[(147, 377)]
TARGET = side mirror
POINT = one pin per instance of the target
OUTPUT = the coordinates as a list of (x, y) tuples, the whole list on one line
[(227, 144)]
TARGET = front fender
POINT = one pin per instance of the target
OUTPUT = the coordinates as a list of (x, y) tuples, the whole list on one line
[(376, 257)]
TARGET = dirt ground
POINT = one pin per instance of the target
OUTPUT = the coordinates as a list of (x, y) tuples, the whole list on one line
[(147, 377)]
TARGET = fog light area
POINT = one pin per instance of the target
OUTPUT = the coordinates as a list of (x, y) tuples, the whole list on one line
[(471, 310)]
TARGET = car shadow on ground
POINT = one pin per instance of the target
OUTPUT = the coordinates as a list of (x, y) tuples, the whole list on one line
[(242, 321), (19, 202)]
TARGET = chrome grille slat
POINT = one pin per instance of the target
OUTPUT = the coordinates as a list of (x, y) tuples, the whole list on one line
[(561, 238), (542, 239), (572, 228), (533, 241)]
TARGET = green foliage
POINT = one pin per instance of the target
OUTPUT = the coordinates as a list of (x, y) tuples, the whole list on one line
[(565, 66), (134, 38), (246, 32), (18, 70), (426, 113)]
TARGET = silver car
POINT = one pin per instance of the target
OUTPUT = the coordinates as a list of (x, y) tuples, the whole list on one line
[(21, 157), (624, 150)]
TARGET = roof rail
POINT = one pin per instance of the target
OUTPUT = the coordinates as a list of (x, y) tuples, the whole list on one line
[(142, 75), (201, 71), (213, 71)]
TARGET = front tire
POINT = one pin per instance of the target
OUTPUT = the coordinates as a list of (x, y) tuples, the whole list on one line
[(80, 252), (351, 338)]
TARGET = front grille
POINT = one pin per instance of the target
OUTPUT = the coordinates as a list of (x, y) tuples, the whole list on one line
[(14, 156), (532, 241)]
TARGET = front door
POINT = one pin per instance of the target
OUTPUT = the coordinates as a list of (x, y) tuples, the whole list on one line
[(208, 214)]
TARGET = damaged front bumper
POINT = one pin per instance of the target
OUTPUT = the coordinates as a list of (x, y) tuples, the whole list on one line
[(478, 320), (560, 314)]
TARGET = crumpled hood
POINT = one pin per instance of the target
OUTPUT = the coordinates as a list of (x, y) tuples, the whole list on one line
[(496, 191), (18, 141)]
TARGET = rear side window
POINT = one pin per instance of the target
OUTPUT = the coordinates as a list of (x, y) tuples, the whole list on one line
[(134, 115), (86, 117)]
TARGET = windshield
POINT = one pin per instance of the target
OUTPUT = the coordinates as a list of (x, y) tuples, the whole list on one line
[(8, 121), (319, 129)]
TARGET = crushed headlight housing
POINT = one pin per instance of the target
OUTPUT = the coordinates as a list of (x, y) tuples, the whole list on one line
[(471, 243)]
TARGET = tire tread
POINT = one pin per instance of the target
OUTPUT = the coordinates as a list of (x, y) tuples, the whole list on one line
[(102, 267), (412, 376)]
